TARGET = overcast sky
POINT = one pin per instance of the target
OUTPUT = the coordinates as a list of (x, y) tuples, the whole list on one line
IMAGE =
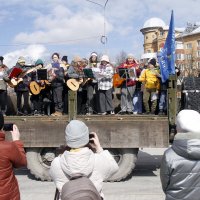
[(37, 28)]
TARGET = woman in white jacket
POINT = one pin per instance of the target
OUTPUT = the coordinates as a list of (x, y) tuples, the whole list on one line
[(94, 162)]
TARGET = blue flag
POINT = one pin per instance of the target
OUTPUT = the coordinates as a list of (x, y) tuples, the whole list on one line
[(166, 57)]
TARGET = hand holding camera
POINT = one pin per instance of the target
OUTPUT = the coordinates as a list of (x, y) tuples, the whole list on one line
[(94, 142), (14, 131)]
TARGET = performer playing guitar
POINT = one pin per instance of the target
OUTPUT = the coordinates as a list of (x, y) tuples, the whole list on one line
[(22, 88), (75, 73)]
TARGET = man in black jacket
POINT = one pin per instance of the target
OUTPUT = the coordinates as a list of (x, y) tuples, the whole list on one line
[(22, 88)]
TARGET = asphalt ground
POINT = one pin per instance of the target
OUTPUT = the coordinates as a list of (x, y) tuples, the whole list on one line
[(142, 184)]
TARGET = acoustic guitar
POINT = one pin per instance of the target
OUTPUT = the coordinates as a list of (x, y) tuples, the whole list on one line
[(35, 88), (74, 84), (14, 81), (117, 80)]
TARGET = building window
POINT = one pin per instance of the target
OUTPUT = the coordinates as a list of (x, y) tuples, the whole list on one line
[(188, 56), (198, 65), (161, 33), (189, 46), (198, 53), (179, 56), (179, 45), (148, 51), (198, 43), (146, 37)]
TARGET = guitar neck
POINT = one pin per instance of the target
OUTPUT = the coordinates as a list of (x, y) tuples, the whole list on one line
[(24, 73)]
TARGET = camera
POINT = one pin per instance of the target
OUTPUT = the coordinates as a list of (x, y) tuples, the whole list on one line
[(91, 135), (8, 127)]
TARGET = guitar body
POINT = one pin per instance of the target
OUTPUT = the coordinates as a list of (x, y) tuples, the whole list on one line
[(34, 88), (117, 80), (15, 81), (73, 84)]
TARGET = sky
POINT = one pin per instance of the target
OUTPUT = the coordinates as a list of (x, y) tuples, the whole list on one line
[(38, 28)]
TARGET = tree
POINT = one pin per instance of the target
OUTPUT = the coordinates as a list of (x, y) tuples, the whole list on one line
[(121, 57)]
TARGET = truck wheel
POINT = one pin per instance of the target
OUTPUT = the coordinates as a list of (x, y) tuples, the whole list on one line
[(39, 161), (126, 159)]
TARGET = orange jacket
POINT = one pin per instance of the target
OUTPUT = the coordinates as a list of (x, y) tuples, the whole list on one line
[(12, 156)]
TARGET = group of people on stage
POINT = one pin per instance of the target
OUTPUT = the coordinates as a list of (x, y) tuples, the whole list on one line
[(94, 80)]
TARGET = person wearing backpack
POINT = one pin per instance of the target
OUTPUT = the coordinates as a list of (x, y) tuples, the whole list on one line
[(83, 155)]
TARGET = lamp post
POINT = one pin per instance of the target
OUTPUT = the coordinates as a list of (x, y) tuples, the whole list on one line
[(103, 37)]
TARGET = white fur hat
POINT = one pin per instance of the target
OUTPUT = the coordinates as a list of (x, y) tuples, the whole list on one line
[(105, 58), (188, 121)]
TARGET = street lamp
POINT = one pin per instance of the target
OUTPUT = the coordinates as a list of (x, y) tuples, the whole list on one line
[(103, 37)]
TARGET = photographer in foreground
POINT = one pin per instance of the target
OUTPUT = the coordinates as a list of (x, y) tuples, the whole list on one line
[(84, 155), (12, 156), (180, 166)]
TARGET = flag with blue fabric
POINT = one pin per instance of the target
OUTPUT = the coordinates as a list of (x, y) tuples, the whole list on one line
[(166, 57)]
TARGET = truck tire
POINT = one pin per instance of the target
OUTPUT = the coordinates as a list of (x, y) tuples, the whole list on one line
[(126, 159), (39, 161)]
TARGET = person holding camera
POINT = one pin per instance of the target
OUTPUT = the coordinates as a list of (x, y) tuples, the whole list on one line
[(83, 155), (12, 156)]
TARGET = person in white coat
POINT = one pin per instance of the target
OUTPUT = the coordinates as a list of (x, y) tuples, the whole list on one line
[(83, 155)]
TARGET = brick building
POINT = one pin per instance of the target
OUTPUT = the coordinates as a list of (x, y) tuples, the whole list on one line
[(187, 44)]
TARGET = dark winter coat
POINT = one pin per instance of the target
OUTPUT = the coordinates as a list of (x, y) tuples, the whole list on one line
[(12, 156), (58, 81), (24, 85)]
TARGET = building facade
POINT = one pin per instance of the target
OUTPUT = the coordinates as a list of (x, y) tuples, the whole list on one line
[(187, 44)]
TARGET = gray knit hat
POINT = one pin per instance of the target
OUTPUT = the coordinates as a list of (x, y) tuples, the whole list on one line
[(76, 134)]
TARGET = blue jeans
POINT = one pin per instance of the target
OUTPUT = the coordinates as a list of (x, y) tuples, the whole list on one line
[(163, 100), (137, 101)]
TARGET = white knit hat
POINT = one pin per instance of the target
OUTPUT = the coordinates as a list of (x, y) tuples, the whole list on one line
[(76, 134), (93, 54), (188, 121), (105, 58)]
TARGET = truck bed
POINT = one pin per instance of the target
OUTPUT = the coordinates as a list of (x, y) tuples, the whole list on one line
[(114, 131)]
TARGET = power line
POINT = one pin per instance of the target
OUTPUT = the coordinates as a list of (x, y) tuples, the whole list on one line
[(52, 43)]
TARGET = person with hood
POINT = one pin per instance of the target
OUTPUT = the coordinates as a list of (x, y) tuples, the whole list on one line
[(180, 165), (12, 156), (39, 101), (83, 155)]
